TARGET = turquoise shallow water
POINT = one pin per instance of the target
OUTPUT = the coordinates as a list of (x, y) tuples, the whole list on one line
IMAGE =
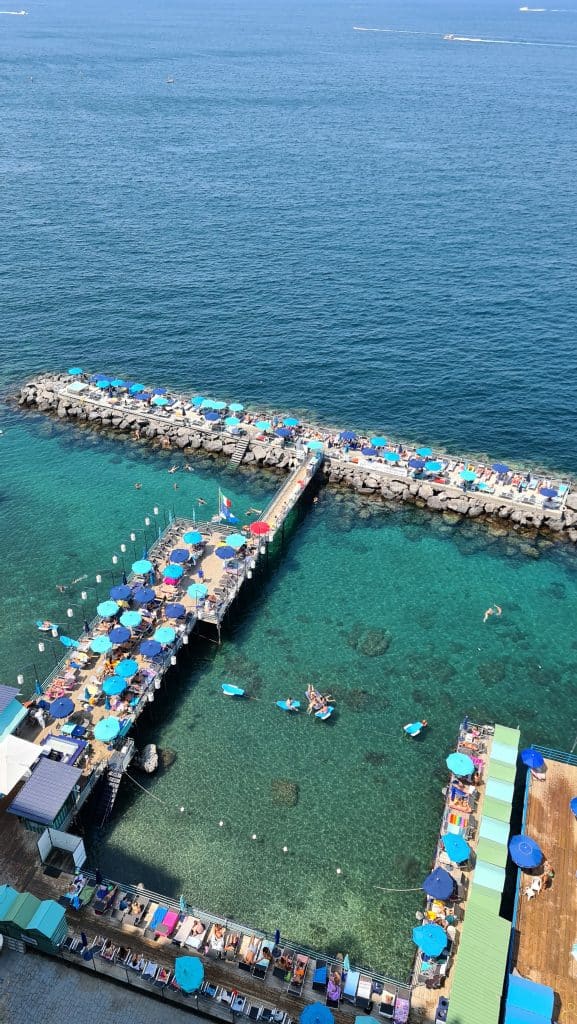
[(375, 227)]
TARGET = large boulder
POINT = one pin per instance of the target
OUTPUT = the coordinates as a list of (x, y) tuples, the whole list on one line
[(460, 505), (571, 501)]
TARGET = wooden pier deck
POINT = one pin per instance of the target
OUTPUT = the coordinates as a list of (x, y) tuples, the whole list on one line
[(547, 925)]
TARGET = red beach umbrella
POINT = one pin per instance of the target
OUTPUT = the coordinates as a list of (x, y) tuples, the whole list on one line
[(259, 528)]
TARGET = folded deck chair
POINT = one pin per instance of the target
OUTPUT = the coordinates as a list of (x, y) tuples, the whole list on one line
[(351, 985)]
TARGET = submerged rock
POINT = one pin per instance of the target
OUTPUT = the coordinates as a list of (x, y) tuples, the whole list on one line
[(285, 792), (372, 642), (376, 758)]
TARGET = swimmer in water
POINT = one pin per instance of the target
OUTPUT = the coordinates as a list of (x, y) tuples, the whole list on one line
[(137, 487), (495, 609)]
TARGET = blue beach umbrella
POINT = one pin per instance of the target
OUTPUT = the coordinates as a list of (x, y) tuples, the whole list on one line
[(107, 608), (439, 884), (457, 848), (192, 537), (236, 406), (416, 463), (549, 492), (430, 938), (188, 973), (208, 403), (500, 467), (212, 417), (573, 805), (174, 611), (232, 421), (468, 475), (150, 648), (236, 540), (532, 758), (197, 591), (118, 383), (159, 391), (143, 396), (225, 552), (219, 406), (460, 764), (282, 432), (135, 389), (425, 452), (114, 686), (433, 466), (120, 593), (164, 635), (107, 729), (126, 668), (172, 572), (290, 421), (198, 400), (142, 566), (347, 435), (119, 635), (392, 457), (131, 619), (316, 1013), (315, 446), (262, 425), (379, 442), (103, 383), (75, 371), (179, 555), (62, 707), (144, 595), (67, 641), (98, 376), (100, 644), (160, 400), (525, 852), (369, 453)]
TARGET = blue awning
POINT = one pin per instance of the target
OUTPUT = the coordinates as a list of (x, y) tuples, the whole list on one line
[(47, 789), (529, 995), (7, 695)]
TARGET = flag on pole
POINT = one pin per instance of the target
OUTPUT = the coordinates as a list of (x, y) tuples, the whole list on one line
[(225, 508)]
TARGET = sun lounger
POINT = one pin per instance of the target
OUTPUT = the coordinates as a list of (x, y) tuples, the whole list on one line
[(320, 976), (351, 985), (387, 1004), (162, 977), (208, 990), (299, 974), (136, 962), (168, 924), (108, 950), (196, 934), (249, 952), (363, 999), (102, 905), (149, 970), (183, 930), (144, 922), (401, 1015), (254, 1011)]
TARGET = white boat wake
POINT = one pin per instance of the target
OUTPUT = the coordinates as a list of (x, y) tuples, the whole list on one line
[(15, 13), (449, 37)]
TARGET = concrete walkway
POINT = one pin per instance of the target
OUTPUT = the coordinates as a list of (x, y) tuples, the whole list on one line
[(37, 988)]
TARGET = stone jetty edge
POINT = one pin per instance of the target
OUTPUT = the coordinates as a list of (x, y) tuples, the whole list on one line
[(41, 394)]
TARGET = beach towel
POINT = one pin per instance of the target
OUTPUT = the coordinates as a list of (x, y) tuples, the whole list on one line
[(157, 918)]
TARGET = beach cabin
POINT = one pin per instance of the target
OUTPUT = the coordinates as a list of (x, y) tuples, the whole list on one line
[(47, 929), (12, 712), (7, 897), (50, 796), (19, 915)]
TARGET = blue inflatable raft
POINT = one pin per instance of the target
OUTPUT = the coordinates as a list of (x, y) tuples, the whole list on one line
[(293, 706), (323, 715), (232, 691)]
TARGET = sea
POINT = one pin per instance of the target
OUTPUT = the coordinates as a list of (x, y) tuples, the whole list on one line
[(327, 208)]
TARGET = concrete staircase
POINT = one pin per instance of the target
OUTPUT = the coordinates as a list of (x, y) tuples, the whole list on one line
[(239, 451)]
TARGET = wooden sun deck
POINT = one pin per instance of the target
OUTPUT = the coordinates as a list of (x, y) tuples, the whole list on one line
[(547, 925)]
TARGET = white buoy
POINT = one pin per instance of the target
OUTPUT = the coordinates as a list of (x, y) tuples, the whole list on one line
[(339, 872)]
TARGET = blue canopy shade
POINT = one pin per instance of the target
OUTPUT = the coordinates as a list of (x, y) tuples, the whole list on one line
[(316, 1013), (573, 805), (232, 421), (532, 758), (75, 371), (500, 467), (164, 635), (347, 435), (369, 453), (379, 442), (282, 432), (192, 537), (135, 389), (119, 635), (142, 566), (212, 417), (174, 611), (439, 884), (107, 729), (150, 648), (416, 463), (290, 421), (62, 707), (392, 457), (188, 973), (160, 400), (235, 540), (126, 668), (525, 852), (107, 608), (236, 406), (197, 591), (179, 555), (131, 619), (100, 644), (468, 475), (172, 572), (430, 938), (113, 686), (225, 551), (425, 452), (549, 492), (120, 593), (315, 446), (433, 466), (262, 424), (102, 384), (460, 764), (457, 848), (144, 595)]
